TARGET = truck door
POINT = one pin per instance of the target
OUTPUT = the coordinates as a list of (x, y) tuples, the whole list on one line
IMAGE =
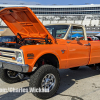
[(78, 47)]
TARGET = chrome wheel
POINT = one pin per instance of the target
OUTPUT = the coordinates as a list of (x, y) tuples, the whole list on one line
[(47, 79), (48, 82)]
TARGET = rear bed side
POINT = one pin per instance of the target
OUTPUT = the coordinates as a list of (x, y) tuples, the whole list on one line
[(95, 52)]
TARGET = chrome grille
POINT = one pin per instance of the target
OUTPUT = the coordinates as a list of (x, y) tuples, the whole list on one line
[(6, 54)]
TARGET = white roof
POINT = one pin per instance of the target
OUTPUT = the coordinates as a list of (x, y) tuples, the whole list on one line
[(51, 6), (98, 34)]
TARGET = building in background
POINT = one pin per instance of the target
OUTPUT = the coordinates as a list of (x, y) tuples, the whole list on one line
[(87, 15)]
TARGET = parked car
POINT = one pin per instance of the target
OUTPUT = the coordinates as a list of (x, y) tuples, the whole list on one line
[(93, 39), (7, 38), (89, 39)]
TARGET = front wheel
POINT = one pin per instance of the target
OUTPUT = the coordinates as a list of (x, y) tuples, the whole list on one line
[(46, 78), (9, 76)]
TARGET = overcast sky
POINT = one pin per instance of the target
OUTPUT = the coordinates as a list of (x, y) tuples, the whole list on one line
[(50, 2)]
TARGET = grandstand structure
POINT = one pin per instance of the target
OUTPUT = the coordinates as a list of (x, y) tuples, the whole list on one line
[(87, 15)]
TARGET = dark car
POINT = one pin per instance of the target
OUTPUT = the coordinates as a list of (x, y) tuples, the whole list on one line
[(7, 38)]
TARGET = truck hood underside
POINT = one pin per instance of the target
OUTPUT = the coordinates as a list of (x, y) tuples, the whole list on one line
[(23, 21)]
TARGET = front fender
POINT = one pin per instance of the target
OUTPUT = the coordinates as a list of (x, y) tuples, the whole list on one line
[(41, 54), (40, 50)]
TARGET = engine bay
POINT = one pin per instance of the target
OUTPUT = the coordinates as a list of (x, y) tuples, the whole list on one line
[(18, 41)]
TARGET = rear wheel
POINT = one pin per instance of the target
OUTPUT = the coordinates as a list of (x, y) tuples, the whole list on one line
[(46, 78), (9, 76)]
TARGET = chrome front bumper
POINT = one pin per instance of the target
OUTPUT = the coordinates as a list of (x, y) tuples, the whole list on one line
[(13, 66)]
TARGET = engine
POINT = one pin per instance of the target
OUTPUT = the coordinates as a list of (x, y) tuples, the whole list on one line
[(18, 41)]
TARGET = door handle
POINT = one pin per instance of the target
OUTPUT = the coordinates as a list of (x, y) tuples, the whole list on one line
[(68, 41), (87, 44)]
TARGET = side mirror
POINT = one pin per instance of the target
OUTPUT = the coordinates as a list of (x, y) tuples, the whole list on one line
[(77, 39)]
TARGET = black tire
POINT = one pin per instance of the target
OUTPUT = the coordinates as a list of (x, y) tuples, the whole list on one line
[(4, 76), (38, 76), (74, 68)]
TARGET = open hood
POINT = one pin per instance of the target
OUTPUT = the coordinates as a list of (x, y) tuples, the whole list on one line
[(22, 20)]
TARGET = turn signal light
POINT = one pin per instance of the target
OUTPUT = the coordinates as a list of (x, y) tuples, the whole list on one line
[(13, 58)]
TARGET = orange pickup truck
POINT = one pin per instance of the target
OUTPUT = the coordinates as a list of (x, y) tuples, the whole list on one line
[(38, 50)]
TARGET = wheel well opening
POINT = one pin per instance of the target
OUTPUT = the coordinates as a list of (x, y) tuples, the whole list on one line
[(47, 59)]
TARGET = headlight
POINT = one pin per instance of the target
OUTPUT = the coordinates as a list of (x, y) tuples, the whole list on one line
[(18, 56)]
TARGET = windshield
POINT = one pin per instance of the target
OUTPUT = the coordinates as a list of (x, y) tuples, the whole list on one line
[(57, 31), (7, 39)]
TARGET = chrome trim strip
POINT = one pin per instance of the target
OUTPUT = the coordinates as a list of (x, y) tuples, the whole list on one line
[(6, 56), (14, 66), (11, 51)]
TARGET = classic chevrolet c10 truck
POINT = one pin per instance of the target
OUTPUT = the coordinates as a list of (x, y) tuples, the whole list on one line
[(38, 50)]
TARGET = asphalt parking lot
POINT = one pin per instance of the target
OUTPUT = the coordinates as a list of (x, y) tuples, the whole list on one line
[(81, 84)]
